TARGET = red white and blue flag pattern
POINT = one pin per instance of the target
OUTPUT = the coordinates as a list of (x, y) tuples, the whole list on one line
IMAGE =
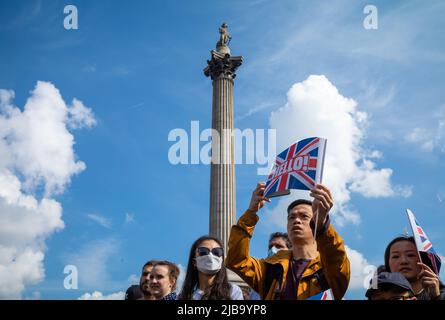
[(423, 244), (298, 167), (325, 295)]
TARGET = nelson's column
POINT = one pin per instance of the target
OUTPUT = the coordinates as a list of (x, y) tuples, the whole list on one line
[(221, 69)]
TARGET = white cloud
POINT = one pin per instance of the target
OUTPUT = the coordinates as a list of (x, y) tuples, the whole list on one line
[(35, 295), (129, 217), (361, 269), (430, 139), (133, 279), (254, 110), (39, 143), (418, 134), (36, 151), (80, 116), (5, 97), (315, 108), (97, 295), (92, 261), (104, 222), (181, 278), (375, 154)]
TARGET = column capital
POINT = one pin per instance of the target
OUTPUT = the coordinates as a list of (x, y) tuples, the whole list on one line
[(222, 64)]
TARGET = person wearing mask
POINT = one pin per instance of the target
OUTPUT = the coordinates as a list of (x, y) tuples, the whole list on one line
[(316, 262), (277, 241), (206, 277)]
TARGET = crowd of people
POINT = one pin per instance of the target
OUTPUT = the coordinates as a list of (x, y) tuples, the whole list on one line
[(307, 260)]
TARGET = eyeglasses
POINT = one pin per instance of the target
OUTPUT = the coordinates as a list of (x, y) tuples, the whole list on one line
[(203, 251)]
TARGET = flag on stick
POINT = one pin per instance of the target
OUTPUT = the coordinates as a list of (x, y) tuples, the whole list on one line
[(423, 244), (298, 167)]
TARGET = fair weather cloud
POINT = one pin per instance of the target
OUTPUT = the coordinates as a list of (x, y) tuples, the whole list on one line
[(129, 217), (97, 295), (361, 269), (92, 261), (100, 219), (430, 139), (37, 162), (315, 107)]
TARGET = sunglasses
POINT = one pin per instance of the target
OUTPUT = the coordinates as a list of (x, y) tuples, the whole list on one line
[(203, 251)]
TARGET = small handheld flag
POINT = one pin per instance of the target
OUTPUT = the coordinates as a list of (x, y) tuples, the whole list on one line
[(298, 167), (423, 244), (325, 295)]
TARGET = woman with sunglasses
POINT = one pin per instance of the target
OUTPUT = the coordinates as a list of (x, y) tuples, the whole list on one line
[(206, 277)]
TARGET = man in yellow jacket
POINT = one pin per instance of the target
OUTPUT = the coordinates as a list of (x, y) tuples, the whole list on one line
[(310, 267)]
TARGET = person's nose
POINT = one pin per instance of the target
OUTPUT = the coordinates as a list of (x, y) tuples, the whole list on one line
[(403, 259)]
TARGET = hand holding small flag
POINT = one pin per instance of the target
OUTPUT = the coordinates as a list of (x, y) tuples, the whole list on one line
[(430, 280), (258, 200), (323, 202)]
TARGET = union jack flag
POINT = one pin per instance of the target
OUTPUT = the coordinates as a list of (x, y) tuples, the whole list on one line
[(423, 244), (298, 167), (325, 295)]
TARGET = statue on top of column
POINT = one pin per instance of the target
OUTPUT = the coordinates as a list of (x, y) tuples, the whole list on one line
[(222, 62), (224, 39)]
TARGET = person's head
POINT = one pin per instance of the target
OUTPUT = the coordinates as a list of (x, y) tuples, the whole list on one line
[(134, 292), (401, 255), (163, 279), (278, 241), (145, 277), (300, 224), (206, 258), (391, 286)]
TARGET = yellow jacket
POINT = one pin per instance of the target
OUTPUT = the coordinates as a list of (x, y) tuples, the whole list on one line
[(332, 259)]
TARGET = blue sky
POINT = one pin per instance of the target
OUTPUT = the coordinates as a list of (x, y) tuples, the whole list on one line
[(138, 67)]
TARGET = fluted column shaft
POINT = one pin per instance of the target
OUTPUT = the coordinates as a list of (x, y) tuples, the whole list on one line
[(222, 173), (221, 69)]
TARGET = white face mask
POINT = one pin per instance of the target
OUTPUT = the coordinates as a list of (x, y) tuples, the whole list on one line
[(272, 251), (209, 264)]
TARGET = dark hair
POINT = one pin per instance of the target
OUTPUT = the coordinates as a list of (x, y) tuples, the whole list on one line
[(150, 263), (173, 270), (388, 249), (425, 259), (381, 268), (134, 292), (282, 235), (220, 289), (298, 202)]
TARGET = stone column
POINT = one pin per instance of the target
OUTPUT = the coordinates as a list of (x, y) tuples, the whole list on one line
[(221, 68)]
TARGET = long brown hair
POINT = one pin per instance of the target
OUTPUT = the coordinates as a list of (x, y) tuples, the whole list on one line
[(219, 290)]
